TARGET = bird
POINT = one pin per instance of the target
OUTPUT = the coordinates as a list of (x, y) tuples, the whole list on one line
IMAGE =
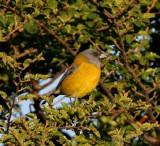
[(83, 75)]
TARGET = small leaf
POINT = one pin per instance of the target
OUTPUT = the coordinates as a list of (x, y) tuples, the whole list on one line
[(148, 15), (3, 94), (68, 28), (157, 109), (65, 105), (31, 28), (28, 96), (158, 5), (95, 131), (143, 33), (129, 38), (145, 75), (27, 62), (137, 23)]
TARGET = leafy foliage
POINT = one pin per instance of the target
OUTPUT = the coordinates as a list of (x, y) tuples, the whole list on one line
[(39, 40)]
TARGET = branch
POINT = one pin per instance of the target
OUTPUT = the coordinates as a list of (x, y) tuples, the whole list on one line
[(94, 44), (122, 49), (106, 13), (12, 9), (38, 110), (17, 138), (12, 106), (152, 6), (44, 27), (107, 91), (55, 13), (155, 141), (109, 15), (129, 117), (145, 89), (56, 37), (45, 134), (120, 12), (25, 53), (103, 28), (13, 31), (43, 5)]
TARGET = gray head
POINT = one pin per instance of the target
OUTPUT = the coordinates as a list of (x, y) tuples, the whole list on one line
[(94, 56)]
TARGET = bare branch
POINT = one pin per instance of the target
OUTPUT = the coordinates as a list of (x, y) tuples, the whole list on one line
[(43, 5), (103, 28), (155, 141), (25, 53), (56, 37), (12, 9), (152, 6), (107, 91), (12, 106), (13, 31)]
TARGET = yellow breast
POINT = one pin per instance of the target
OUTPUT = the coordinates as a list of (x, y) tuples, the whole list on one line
[(83, 81)]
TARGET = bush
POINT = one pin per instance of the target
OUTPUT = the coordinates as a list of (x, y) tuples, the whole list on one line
[(40, 38)]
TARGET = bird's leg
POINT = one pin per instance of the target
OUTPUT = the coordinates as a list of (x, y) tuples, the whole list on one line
[(71, 101)]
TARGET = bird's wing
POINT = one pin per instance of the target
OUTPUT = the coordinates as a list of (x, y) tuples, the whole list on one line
[(68, 72)]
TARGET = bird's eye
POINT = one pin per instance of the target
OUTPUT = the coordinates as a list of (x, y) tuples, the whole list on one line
[(96, 53)]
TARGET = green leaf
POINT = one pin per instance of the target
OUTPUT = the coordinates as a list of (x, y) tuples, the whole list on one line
[(28, 96), (80, 27), (68, 28), (2, 38), (65, 106), (95, 131), (157, 109), (3, 124), (31, 28), (90, 23), (47, 98), (27, 62), (52, 4), (137, 22), (3, 94), (158, 5), (152, 56), (148, 15), (145, 42), (107, 120), (145, 75), (129, 38), (63, 16), (143, 33), (36, 76), (92, 15)]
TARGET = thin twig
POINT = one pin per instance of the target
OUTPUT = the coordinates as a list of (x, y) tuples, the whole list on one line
[(152, 6), (107, 91), (25, 53), (103, 28), (13, 31), (45, 134), (43, 5), (13, 9), (17, 138), (55, 36), (12, 106)]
